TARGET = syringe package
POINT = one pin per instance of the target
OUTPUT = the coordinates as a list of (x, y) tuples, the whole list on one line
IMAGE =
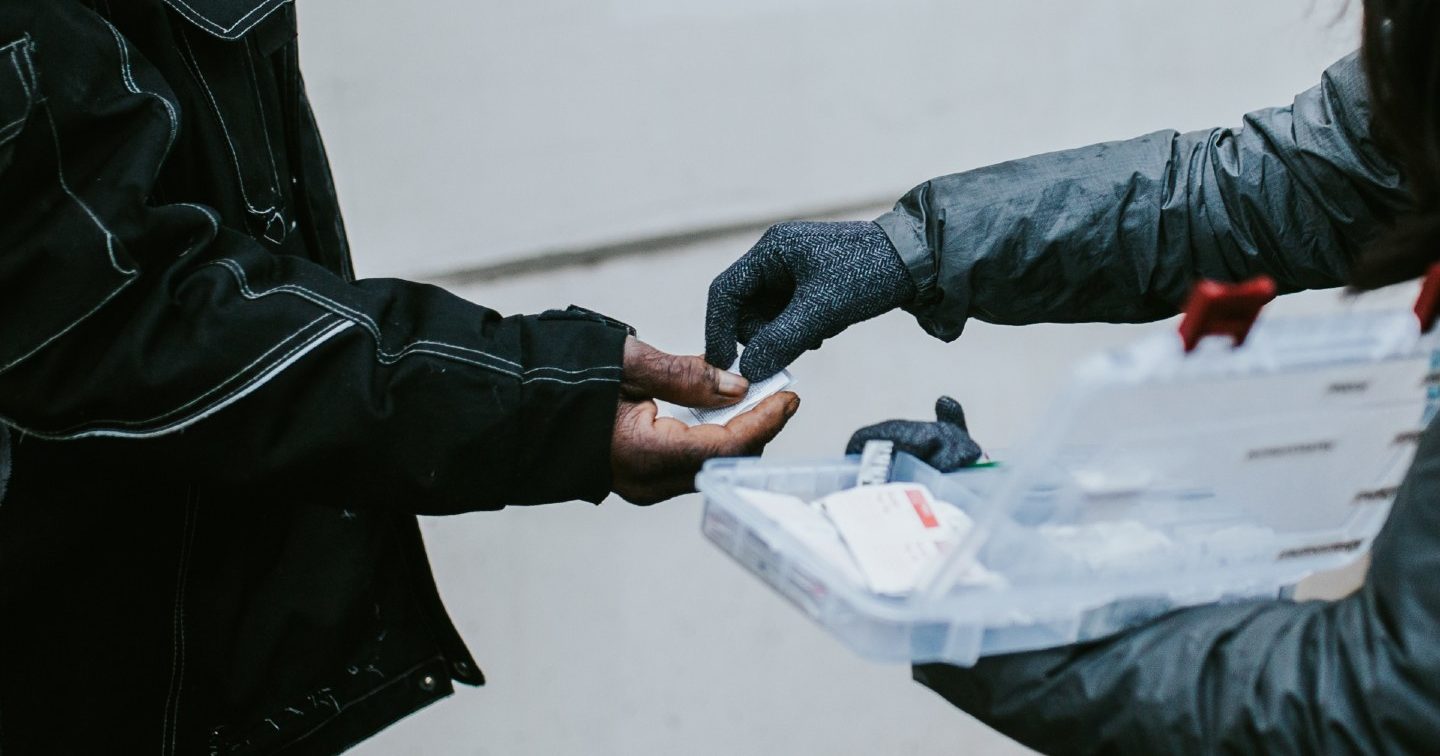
[(1160, 479)]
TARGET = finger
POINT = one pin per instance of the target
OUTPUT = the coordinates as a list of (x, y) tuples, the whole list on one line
[(945, 451), (761, 308), (634, 422), (750, 324), (685, 380), (859, 438), (950, 449), (906, 435), (750, 431), (720, 329), (947, 410), (745, 434), (639, 414), (728, 292), (782, 340), (967, 452)]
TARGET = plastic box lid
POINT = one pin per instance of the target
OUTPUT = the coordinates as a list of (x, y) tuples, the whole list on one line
[(1255, 466)]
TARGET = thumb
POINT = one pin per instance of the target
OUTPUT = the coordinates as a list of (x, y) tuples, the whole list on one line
[(947, 410), (684, 380), (752, 430)]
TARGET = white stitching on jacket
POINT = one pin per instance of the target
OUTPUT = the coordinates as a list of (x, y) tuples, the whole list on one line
[(25, 85), (400, 677), (12, 51), (209, 215), (365, 320), (165, 745), (599, 379), (7, 137), (264, 124), (24, 80), (65, 187), (243, 281), (205, 211), (582, 371), (30, 64), (257, 361), (60, 167), (71, 325), (224, 31), (170, 723), (239, 393), (127, 75), (193, 64), (369, 324)]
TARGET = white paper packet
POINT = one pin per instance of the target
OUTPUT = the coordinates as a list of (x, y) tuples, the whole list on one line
[(758, 392), (808, 524)]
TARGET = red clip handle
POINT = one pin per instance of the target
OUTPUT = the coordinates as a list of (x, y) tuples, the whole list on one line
[(1222, 309), (1427, 305)]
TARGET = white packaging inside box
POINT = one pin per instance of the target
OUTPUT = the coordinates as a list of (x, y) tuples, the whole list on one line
[(895, 531), (809, 525), (886, 537)]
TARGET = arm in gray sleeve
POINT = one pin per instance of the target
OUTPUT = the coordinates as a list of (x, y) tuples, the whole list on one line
[(1361, 675), (1116, 232)]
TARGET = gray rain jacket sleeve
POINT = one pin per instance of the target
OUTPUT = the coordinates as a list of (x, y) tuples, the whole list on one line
[(1360, 675), (1118, 231)]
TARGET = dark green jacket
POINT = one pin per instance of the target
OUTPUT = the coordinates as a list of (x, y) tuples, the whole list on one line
[(1117, 232)]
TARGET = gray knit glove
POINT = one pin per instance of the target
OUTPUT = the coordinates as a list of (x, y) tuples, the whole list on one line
[(799, 285), (944, 444)]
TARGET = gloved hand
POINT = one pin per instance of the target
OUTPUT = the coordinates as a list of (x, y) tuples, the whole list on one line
[(800, 284), (944, 444)]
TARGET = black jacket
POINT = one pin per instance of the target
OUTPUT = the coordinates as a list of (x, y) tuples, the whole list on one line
[(1117, 232), (220, 438)]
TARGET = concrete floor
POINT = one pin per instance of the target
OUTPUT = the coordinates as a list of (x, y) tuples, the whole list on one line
[(620, 630)]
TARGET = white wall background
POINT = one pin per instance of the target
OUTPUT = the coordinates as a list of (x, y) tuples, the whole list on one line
[(468, 133)]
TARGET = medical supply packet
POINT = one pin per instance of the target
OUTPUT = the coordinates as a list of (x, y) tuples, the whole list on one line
[(759, 391), (886, 537), (1159, 479)]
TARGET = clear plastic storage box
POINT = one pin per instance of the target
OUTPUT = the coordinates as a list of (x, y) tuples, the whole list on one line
[(1241, 471)]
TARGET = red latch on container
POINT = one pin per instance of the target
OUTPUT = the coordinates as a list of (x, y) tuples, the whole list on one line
[(1427, 305), (1221, 309)]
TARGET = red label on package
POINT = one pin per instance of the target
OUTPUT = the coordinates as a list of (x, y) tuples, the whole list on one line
[(922, 508)]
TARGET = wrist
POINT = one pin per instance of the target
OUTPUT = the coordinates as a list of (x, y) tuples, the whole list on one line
[(904, 243), (570, 390), (940, 310)]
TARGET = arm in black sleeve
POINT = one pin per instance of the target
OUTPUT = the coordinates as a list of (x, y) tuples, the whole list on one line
[(1360, 675), (123, 319), (1118, 231)]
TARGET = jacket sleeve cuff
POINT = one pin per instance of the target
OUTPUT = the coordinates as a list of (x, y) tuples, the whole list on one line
[(916, 237), (568, 397)]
